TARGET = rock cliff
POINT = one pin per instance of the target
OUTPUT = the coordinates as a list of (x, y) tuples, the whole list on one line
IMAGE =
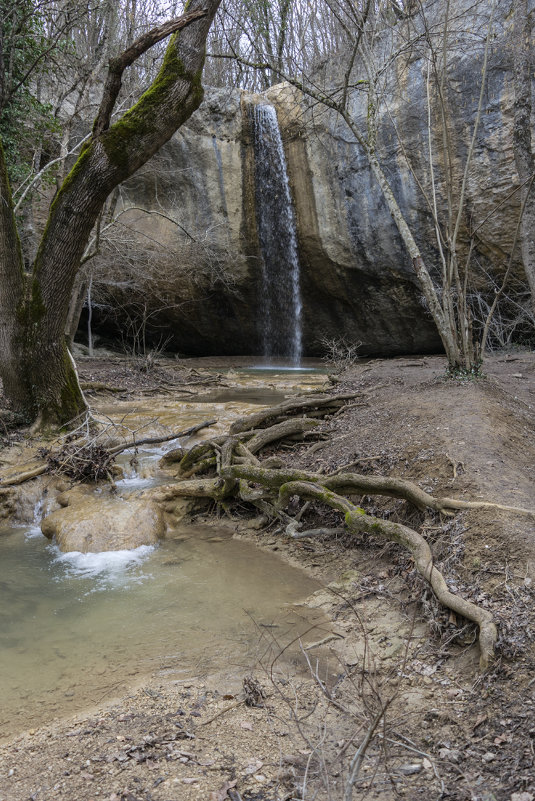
[(357, 282)]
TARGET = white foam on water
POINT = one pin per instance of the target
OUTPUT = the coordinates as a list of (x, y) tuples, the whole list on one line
[(108, 569), (32, 532), (135, 482)]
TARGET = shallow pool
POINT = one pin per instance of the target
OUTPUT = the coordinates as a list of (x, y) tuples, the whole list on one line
[(78, 629)]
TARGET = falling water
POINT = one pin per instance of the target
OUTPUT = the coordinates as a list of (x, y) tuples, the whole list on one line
[(280, 314)]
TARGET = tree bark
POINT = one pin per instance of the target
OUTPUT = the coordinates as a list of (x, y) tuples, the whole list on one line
[(12, 290), (108, 159), (522, 139)]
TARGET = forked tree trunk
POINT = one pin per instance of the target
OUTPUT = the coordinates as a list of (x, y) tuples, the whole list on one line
[(38, 373)]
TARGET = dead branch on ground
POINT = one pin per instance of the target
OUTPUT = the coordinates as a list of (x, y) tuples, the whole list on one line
[(89, 460)]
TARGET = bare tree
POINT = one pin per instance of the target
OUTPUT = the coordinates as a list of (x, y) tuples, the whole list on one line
[(278, 37)]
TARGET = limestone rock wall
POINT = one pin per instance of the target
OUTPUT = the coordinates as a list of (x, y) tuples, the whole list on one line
[(356, 279)]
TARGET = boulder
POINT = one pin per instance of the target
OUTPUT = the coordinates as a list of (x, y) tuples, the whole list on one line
[(94, 524)]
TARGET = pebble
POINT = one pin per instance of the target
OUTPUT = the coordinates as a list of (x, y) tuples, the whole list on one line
[(411, 768), (451, 754)]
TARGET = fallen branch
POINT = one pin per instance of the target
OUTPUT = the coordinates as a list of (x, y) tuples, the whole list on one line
[(98, 386), (22, 477), (76, 459), (188, 432), (221, 712)]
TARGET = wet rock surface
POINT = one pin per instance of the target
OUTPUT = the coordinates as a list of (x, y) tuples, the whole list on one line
[(93, 524), (356, 279)]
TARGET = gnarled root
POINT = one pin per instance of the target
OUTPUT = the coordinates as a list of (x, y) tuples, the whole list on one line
[(322, 403), (238, 469), (358, 521), (216, 488), (356, 484)]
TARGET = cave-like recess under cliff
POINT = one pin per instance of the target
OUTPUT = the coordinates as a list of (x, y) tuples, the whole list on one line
[(356, 281)]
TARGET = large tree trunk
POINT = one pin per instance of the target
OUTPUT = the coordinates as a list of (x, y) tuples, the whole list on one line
[(108, 159), (522, 139), (12, 292)]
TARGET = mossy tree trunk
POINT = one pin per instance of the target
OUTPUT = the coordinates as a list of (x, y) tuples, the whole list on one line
[(36, 368)]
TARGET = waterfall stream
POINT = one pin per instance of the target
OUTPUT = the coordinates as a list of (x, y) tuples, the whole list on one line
[(280, 310)]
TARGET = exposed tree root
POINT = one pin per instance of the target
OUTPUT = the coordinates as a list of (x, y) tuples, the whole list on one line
[(202, 456), (269, 487), (325, 403), (287, 428), (357, 484), (358, 521), (218, 489)]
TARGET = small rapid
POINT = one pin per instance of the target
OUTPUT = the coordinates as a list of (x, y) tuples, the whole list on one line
[(78, 629)]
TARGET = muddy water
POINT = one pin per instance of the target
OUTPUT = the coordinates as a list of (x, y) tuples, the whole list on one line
[(78, 629), (243, 391)]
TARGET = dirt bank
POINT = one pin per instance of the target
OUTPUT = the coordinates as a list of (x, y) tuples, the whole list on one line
[(446, 731)]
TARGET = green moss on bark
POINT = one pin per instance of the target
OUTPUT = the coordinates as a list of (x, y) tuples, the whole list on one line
[(71, 398), (61, 401), (140, 117)]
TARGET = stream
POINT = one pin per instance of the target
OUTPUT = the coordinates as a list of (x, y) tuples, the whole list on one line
[(78, 629)]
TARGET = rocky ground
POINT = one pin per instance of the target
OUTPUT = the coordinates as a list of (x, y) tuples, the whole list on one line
[(395, 675)]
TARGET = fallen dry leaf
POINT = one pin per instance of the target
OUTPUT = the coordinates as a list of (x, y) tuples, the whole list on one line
[(221, 794), (481, 719)]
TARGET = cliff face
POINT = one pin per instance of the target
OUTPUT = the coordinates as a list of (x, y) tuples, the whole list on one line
[(356, 279)]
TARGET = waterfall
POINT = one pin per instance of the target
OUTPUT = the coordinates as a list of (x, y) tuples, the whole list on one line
[(280, 309)]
